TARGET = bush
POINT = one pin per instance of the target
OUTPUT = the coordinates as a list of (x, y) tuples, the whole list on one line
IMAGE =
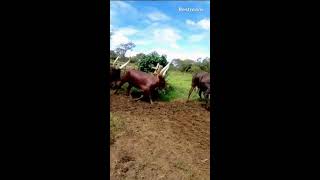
[(137, 58), (162, 94), (195, 69), (146, 63)]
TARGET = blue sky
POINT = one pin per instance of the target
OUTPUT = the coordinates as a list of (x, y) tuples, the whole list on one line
[(160, 26)]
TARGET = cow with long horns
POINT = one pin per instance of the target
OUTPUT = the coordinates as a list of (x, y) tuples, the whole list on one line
[(147, 83), (115, 71), (201, 80)]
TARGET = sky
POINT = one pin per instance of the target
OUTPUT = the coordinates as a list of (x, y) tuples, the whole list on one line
[(160, 26)]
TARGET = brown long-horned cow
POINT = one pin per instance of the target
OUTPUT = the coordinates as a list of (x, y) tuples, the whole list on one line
[(201, 80), (146, 82), (115, 71)]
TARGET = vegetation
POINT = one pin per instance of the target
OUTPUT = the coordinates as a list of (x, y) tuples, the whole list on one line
[(188, 65), (146, 62), (178, 86)]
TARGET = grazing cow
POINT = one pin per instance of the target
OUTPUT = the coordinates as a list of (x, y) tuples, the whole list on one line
[(115, 72), (201, 80), (148, 83)]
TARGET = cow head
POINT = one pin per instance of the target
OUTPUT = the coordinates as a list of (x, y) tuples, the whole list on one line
[(115, 72), (157, 69), (162, 75), (116, 66)]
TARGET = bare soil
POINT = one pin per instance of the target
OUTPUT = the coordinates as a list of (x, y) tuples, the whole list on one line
[(166, 140)]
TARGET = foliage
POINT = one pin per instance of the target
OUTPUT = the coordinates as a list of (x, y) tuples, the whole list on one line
[(178, 86), (204, 65), (136, 58), (146, 62), (113, 55), (123, 48), (188, 65), (195, 68)]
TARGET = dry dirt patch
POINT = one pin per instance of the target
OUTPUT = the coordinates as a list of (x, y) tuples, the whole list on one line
[(167, 140)]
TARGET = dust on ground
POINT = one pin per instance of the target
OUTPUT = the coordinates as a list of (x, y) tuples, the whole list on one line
[(166, 140)]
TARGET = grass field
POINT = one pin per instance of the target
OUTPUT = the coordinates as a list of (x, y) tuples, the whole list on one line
[(179, 84)]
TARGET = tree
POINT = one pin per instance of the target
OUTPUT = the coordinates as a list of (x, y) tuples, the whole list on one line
[(123, 48), (151, 60), (113, 55), (137, 57), (205, 65)]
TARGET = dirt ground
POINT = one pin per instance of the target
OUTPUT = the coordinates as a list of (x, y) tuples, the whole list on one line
[(166, 140)]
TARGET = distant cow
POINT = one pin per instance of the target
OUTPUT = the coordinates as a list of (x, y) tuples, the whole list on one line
[(115, 72), (201, 80), (146, 82)]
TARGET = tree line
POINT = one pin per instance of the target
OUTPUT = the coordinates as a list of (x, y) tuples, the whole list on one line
[(145, 62)]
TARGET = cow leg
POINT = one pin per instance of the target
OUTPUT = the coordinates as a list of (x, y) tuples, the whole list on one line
[(190, 91), (129, 89), (118, 87), (200, 94), (150, 97)]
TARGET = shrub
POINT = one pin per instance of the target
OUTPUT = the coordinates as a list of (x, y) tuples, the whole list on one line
[(195, 69), (146, 63)]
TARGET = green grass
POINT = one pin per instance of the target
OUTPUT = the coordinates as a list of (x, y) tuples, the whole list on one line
[(179, 85)]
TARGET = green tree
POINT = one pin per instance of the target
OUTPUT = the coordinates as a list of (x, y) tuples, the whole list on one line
[(137, 58), (146, 63)]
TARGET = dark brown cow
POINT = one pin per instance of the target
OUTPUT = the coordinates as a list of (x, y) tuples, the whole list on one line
[(201, 80), (146, 82), (115, 72)]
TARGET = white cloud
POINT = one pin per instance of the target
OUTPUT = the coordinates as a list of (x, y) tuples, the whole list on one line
[(204, 23), (158, 16), (120, 6), (118, 39), (127, 31), (197, 37), (121, 36), (189, 22), (120, 9), (142, 42), (167, 36), (131, 53)]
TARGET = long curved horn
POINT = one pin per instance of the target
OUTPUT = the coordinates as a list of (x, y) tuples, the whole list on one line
[(164, 69), (164, 73), (115, 60), (124, 64)]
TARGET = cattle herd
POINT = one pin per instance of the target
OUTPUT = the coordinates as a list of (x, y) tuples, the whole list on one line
[(149, 83)]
